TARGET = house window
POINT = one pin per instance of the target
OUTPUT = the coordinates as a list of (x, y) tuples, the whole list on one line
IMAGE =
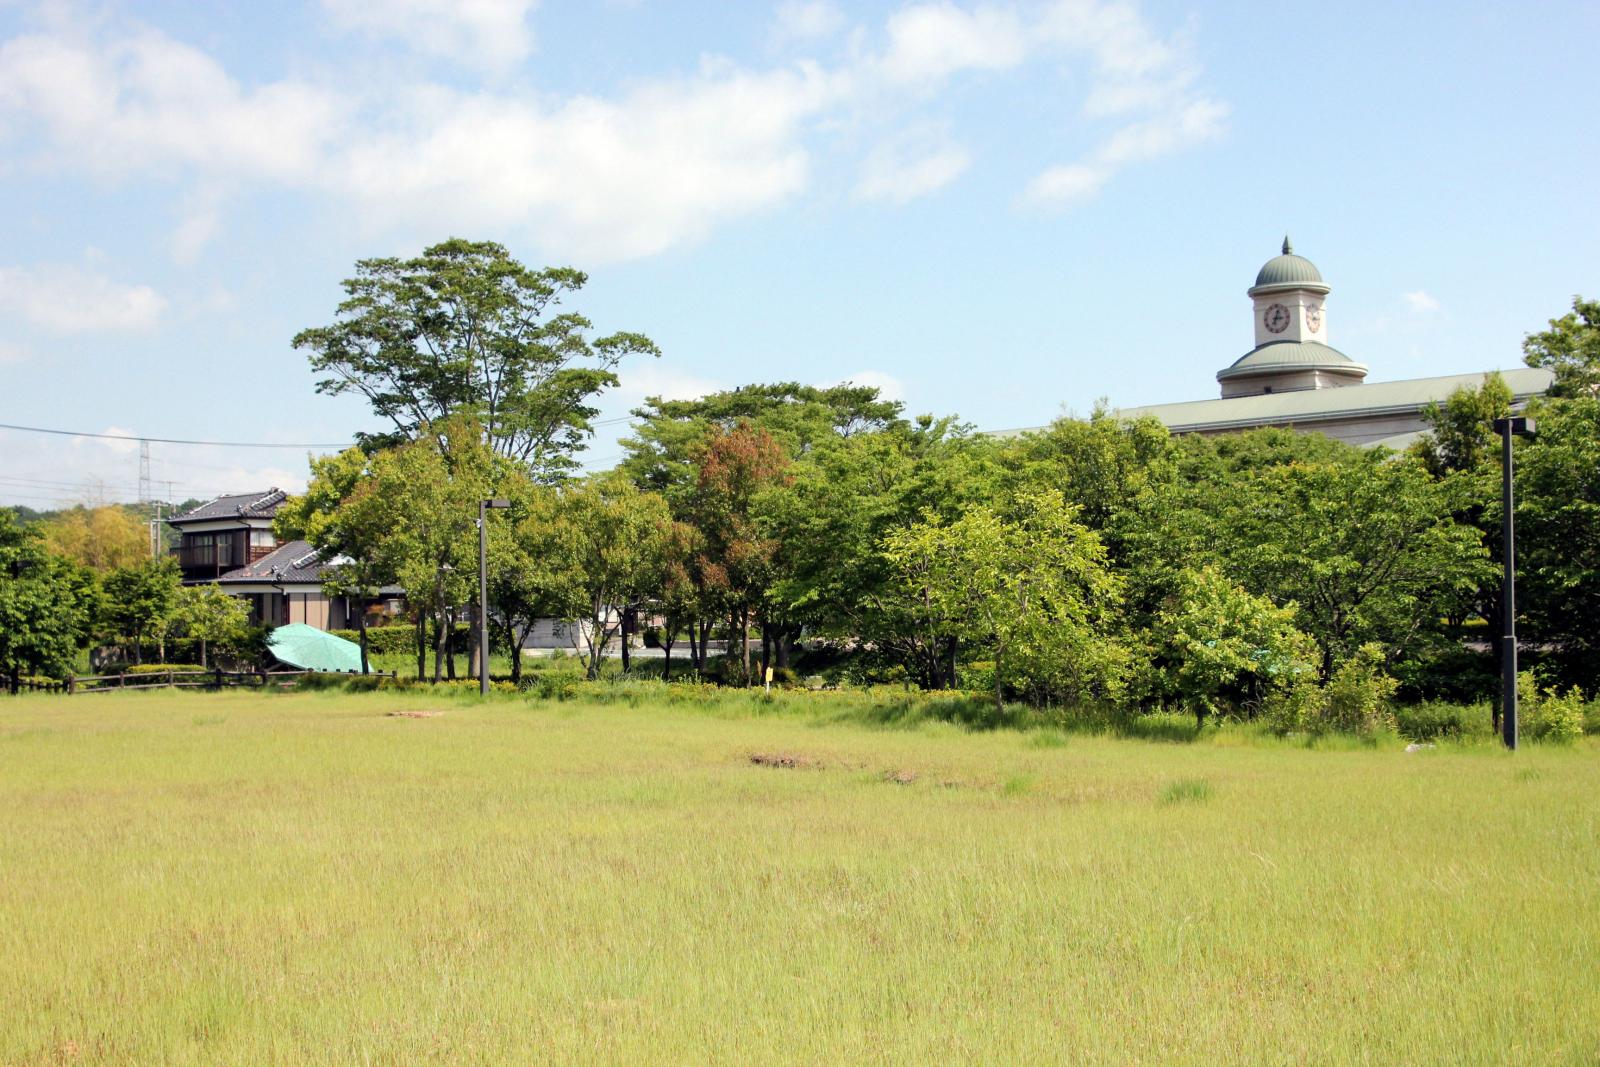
[(262, 539)]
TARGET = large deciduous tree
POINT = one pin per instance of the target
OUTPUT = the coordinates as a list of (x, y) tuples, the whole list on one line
[(1570, 348), (101, 538), (1032, 587), (1365, 547), (44, 604), (347, 534), (1558, 537), (466, 329), (139, 601)]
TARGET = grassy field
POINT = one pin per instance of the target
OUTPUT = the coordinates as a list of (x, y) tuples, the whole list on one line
[(311, 878)]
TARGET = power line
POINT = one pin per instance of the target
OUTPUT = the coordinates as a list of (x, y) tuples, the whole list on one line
[(178, 440)]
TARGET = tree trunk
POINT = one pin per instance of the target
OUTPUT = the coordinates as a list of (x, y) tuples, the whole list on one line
[(629, 620), (202, 653), (766, 648), (422, 646), (744, 642), (450, 644), (439, 638), (999, 702), (138, 647), (361, 629), (666, 660), (950, 677)]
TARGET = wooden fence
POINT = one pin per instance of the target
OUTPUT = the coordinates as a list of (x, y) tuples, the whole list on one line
[(172, 678)]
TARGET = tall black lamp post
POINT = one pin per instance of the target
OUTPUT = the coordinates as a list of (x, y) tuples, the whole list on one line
[(1514, 426), (483, 591)]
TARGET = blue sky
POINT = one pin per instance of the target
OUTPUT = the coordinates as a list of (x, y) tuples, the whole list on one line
[(1003, 210)]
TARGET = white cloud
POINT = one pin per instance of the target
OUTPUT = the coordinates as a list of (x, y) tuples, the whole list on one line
[(148, 105), (888, 386), (586, 177), (68, 300), (917, 163), (1421, 302), (123, 447), (641, 379), (1067, 184), (14, 352), (595, 179), (929, 42), (488, 32), (805, 21)]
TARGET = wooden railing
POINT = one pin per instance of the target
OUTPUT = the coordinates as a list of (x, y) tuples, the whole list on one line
[(172, 678)]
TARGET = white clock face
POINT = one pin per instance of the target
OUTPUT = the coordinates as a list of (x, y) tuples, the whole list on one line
[(1313, 318), (1276, 319)]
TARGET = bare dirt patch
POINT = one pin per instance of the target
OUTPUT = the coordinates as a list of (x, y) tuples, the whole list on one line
[(900, 777), (781, 759), (413, 714)]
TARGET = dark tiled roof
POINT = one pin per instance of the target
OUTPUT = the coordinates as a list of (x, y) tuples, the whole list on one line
[(262, 505), (296, 561)]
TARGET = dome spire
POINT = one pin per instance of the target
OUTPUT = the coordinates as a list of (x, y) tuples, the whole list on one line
[(1288, 249)]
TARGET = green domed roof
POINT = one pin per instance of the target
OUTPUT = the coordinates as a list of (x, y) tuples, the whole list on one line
[(1288, 271), (1277, 357)]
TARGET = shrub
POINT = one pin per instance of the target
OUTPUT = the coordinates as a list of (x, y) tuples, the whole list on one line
[(1438, 719), (553, 685), (158, 668), (1555, 717), (1356, 699)]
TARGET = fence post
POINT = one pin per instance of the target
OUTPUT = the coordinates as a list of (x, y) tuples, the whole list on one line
[(72, 683)]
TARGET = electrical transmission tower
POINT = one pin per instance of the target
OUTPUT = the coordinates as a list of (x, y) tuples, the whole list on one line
[(144, 472)]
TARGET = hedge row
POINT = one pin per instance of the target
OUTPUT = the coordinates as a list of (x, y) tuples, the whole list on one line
[(402, 639)]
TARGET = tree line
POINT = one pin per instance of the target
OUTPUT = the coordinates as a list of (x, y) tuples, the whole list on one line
[(1098, 561)]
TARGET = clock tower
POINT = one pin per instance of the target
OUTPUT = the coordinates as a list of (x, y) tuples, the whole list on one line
[(1291, 333)]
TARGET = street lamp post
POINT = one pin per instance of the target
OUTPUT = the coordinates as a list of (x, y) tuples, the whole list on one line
[(483, 591), (1516, 425)]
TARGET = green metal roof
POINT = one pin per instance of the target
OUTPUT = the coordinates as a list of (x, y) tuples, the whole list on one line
[(1309, 406), (1291, 355), (1288, 271), (1315, 405)]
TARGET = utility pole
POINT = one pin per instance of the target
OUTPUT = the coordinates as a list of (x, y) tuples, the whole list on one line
[(1516, 425), (483, 592)]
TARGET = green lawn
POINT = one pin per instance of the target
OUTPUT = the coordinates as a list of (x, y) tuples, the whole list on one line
[(304, 878)]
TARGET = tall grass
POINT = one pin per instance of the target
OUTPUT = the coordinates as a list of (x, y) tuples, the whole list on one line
[(309, 878)]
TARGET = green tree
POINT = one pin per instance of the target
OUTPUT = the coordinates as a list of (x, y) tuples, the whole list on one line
[(1366, 548), (1570, 348), (618, 536), (100, 538), (1213, 641), (1558, 538), (735, 565), (345, 533), (1461, 437), (846, 496), (466, 329), (1033, 589), (534, 571), (662, 453), (212, 617), (44, 604), (139, 601), (420, 506)]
